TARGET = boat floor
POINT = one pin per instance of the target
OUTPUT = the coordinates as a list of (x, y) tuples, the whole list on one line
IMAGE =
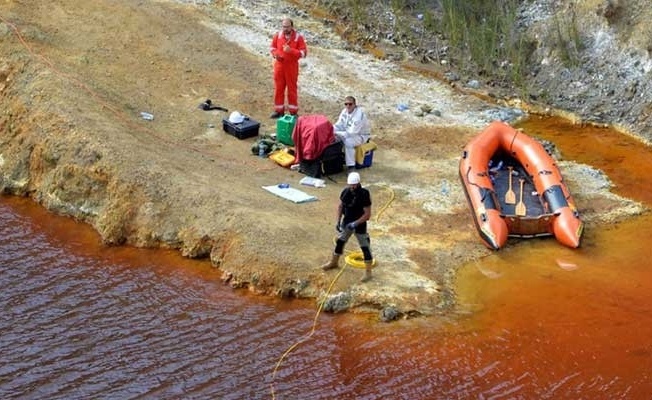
[(533, 205), (535, 222)]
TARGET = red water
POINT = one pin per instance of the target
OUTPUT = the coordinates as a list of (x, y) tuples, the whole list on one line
[(535, 320)]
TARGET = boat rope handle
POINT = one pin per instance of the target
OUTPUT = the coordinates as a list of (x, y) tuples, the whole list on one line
[(483, 192), (511, 143), (468, 173)]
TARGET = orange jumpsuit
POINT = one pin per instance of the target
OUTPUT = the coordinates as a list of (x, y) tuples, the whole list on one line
[(286, 69)]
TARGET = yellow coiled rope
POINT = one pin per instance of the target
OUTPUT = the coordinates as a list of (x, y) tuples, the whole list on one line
[(356, 260)]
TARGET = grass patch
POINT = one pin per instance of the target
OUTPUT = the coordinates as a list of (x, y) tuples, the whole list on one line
[(484, 37), (479, 37), (567, 38)]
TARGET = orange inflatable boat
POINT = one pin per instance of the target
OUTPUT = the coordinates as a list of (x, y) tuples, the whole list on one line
[(514, 188)]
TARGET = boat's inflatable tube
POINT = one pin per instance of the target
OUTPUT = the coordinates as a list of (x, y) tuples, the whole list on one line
[(565, 223)]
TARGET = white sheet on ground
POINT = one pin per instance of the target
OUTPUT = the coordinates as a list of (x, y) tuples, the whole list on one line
[(292, 194), (310, 181)]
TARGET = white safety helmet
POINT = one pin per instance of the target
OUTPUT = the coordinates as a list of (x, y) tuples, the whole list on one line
[(236, 117), (353, 178)]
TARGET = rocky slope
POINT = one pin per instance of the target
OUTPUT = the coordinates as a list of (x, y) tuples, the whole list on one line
[(609, 80), (591, 60)]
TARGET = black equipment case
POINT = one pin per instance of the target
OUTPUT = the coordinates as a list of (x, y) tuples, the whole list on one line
[(330, 162), (246, 129), (332, 158)]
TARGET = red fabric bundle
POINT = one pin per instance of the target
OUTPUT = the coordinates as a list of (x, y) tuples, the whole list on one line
[(311, 135)]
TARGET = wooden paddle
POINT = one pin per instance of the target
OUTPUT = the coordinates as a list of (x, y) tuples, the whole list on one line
[(520, 207), (510, 196)]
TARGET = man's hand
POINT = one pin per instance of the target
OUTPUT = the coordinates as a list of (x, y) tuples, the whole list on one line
[(286, 47), (338, 227), (351, 226), (341, 134)]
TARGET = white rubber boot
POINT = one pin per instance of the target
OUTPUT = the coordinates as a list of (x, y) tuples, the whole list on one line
[(367, 271)]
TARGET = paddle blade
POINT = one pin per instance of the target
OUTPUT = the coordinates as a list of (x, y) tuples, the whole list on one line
[(520, 207), (510, 197)]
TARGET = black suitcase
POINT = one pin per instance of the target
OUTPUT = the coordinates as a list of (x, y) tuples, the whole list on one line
[(246, 129), (332, 159), (330, 162)]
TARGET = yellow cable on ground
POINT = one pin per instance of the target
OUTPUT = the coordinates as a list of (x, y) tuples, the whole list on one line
[(354, 259), (391, 199), (312, 331)]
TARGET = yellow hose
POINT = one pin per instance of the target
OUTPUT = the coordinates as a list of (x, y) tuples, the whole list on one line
[(356, 260), (383, 208), (312, 331)]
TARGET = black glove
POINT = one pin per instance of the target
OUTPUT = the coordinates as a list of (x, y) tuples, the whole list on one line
[(338, 227), (351, 226)]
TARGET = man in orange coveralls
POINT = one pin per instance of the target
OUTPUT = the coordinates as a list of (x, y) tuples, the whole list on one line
[(288, 46)]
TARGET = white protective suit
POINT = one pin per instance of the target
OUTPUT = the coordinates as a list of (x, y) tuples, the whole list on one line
[(353, 129)]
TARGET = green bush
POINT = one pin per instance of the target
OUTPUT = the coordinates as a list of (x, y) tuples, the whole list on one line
[(482, 35)]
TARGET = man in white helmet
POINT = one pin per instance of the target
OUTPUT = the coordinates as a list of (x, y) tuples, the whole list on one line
[(353, 212)]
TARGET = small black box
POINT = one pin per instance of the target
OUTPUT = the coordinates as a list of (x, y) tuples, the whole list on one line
[(246, 129)]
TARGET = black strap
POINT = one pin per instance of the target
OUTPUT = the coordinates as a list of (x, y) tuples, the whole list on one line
[(208, 105)]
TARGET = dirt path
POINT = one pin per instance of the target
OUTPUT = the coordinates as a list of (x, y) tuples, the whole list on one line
[(75, 75)]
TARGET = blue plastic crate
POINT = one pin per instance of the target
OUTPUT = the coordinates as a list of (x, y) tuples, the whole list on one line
[(366, 162)]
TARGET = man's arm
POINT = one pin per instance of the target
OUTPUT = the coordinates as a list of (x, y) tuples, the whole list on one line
[(301, 46), (365, 217), (339, 125), (273, 48)]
